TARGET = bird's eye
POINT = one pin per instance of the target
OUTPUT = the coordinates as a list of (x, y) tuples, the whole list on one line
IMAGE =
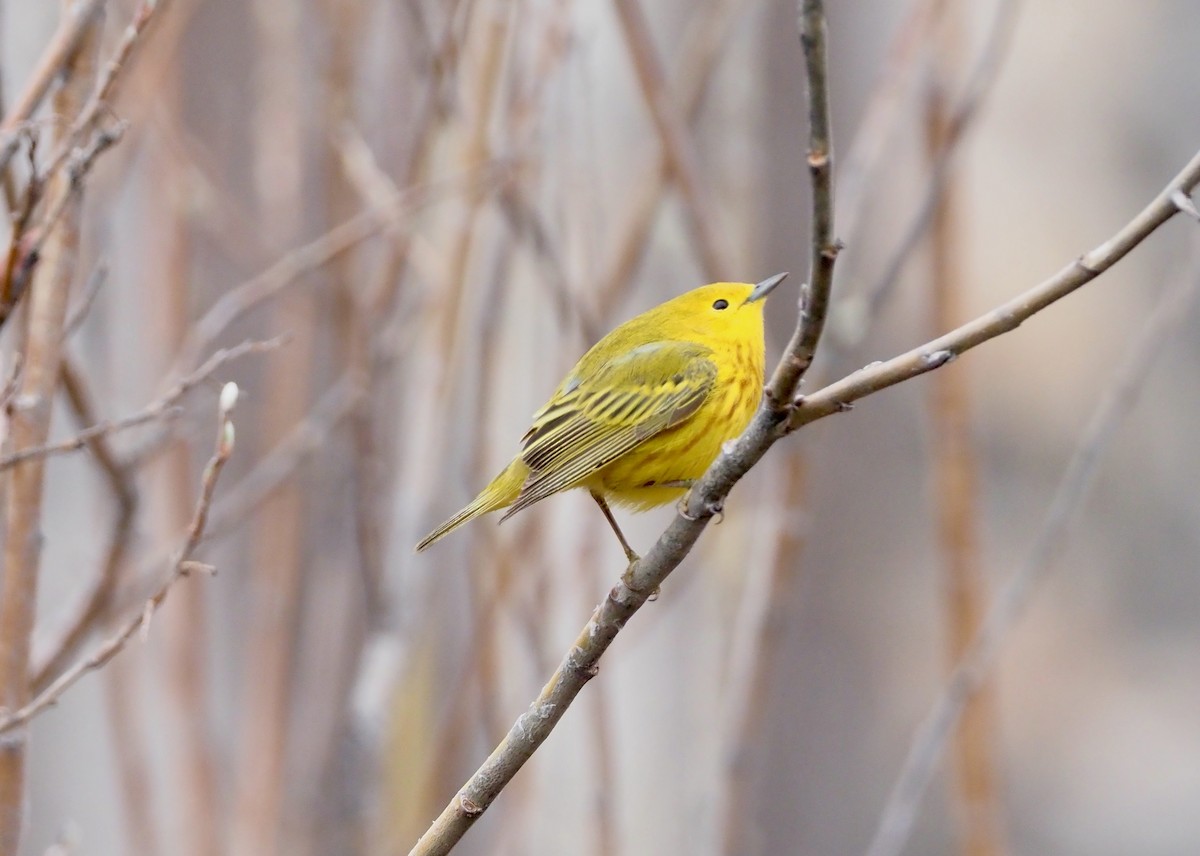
[(721, 304)]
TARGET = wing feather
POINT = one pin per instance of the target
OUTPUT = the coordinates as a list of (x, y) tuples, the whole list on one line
[(592, 421)]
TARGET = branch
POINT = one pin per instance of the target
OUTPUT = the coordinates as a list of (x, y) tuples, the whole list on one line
[(163, 408), (972, 669), (837, 397), (814, 296), (180, 566), (644, 577)]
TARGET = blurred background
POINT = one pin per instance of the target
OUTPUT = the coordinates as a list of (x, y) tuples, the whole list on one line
[(440, 205)]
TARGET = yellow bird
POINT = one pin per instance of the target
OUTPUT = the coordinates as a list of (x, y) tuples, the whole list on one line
[(645, 411)]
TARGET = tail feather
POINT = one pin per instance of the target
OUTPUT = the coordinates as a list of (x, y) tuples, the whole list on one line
[(501, 492)]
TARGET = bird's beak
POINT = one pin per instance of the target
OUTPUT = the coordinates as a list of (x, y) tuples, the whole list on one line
[(766, 287)]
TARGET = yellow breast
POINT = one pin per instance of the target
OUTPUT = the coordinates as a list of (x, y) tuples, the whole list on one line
[(683, 453)]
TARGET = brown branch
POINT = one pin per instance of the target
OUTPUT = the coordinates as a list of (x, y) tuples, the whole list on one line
[(243, 298), (162, 408), (755, 658), (972, 669), (78, 313), (839, 396), (179, 566), (25, 254), (882, 114), (29, 424), (106, 84), (677, 144)]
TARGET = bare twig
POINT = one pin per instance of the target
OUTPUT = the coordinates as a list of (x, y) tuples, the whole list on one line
[(704, 44), (80, 164), (179, 566), (839, 396), (823, 248), (754, 659), (162, 408), (106, 84), (882, 114), (241, 299), (972, 669)]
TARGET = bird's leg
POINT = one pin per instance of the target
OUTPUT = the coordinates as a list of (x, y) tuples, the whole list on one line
[(612, 521)]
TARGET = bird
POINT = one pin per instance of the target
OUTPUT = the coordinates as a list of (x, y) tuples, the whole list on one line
[(644, 412)]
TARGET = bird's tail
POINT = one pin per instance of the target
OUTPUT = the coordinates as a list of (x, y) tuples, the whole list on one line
[(500, 493)]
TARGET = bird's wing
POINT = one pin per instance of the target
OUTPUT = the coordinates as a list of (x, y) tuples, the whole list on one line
[(592, 421)]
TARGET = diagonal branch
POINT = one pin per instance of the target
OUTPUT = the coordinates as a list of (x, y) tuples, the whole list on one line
[(644, 577), (839, 396)]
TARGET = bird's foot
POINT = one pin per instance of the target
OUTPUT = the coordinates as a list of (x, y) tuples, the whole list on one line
[(715, 510)]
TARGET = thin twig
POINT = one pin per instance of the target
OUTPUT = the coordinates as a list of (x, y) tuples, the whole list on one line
[(840, 396), (883, 114), (106, 84), (28, 426), (162, 408), (955, 477), (241, 299), (30, 253), (179, 566), (823, 247), (972, 670)]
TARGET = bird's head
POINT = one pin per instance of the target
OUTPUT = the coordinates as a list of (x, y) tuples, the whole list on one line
[(729, 310)]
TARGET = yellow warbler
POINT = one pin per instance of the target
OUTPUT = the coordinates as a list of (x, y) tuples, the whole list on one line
[(645, 411)]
